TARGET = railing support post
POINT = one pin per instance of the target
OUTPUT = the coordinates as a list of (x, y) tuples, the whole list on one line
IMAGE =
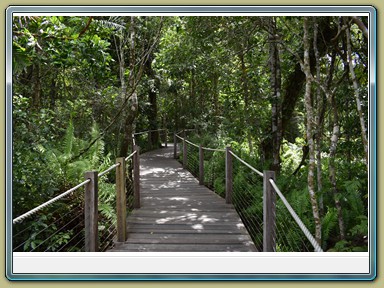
[(121, 207), (174, 146), (201, 165), (136, 177), (166, 138), (150, 140), (91, 212), (184, 154), (228, 175), (269, 213)]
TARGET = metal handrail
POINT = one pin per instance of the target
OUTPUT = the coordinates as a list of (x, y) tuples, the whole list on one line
[(193, 144), (147, 131), (296, 218), (49, 202), (38, 208), (246, 164)]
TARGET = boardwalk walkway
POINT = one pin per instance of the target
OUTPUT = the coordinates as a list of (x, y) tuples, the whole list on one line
[(179, 215)]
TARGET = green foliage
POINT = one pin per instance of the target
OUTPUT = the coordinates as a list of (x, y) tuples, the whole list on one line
[(210, 73)]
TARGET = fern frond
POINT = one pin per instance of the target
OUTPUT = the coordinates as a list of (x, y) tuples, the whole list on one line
[(111, 24), (329, 223)]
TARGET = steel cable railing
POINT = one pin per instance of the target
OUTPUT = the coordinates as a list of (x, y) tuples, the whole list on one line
[(59, 225), (214, 169), (42, 229), (305, 230), (247, 199), (150, 139), (247, 194)]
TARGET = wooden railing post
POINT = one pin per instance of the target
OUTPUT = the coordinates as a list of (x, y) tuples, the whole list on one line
[(269, 213), (121, 202), (150, 140), (166, 138), (136, 177), (91, 212), (174, 146), (184, 153), (201, 165), (228, 175)]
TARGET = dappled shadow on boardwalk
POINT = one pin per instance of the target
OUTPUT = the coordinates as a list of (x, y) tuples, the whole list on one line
[(178, 214)]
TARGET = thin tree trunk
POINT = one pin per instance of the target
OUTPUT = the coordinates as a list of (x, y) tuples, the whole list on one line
[(309, 134), (332, 166), (37, 88), (276, 96), (244, 80), (319, 122), (356, 90), (133, 107)]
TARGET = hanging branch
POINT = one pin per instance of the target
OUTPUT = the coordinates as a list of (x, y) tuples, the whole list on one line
[(127, 96), (361, 25), (86, 27), (357, 95)]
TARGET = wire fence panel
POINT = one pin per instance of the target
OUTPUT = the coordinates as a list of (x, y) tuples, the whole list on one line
[(59, 227), (107, 222), (289, 237), (214, 171), (247, 199), (192, 159)]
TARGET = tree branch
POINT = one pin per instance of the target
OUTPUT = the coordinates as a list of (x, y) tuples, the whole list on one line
[(86, 26), (361, 25)]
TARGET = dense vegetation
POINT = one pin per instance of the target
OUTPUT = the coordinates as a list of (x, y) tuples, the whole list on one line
[(288, 93)]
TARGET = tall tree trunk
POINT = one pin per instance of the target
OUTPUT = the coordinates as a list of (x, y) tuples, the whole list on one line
[(356, 90), (53, 92), (133, 104), (332, 165), (152, 96), (309, 134), (244, 80), (215, 81), (319, 119), (37, 88), (276, 96)]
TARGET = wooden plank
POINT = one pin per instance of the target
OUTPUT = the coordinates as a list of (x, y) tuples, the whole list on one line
[(191, 238), (214, 247), (178, 214)]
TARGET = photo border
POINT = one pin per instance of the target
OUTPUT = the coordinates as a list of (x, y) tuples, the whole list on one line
[(81, 9)]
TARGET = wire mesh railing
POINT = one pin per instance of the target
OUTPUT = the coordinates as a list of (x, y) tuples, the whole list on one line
[(271, 221)]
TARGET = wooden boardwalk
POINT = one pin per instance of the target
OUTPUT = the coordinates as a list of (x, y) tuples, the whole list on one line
[(179, 215)]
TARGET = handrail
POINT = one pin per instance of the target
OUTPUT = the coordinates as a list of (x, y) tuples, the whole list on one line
[(129, 156), (181, 138), (143, 132), (38, 208), (288, 206), (246, 164), (49, 202), (109, 169), (296, 218), (213, 149), (193, 144)]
